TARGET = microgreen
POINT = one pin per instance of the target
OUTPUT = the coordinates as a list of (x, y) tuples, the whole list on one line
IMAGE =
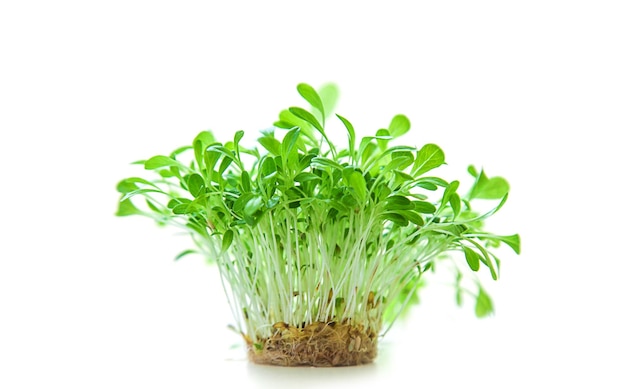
[(304, 230)]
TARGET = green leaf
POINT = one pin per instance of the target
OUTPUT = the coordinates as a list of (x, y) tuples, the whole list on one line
[(459, 289), (153, 207), (127, 208), (289, 141), (455, 203), (141, 191), (429, 157), (357, 182), (399, 203), (187, 208), (450, 189), (323, 162), (184, 253), (161, 161), (405, 159), (414, 218), (308, 117), (351, 135), (288, 121), (195, 183), (311, 96), (382, 138), (426, 185), (491, 212), (226, 153), (246, 183), (402, 177), (486, 259), (306, 177), (225, 164), (253, 205), (396, 218), (227, 240), (200, 143), (472, 258), (434, 181), (205, 137), (399, 125), (484, 305), (268, 167), (305, 161), (176, 201), (130, 184), (329, 93), (424, 207), (179, 150), (513, 241), (210, 159), (270, 144), (488, 188), (368, 152), (238, 136)]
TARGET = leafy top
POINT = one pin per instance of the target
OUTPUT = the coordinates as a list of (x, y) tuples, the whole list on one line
[(371, 193)]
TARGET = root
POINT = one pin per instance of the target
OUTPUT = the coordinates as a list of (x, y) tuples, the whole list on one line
[(316, 344)]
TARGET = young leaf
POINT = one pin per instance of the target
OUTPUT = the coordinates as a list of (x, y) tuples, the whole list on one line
[(127, 208), (161, 161), (471, 169), (404, 158), (195, 183), (455, 204), (270, 144), (329, 93), (289, 141), (306, 177), (227, 240), (238, 136), (311, 96), (141, 192), (472, 258), (398, 202), (484, 305), (429, 157), (424, 207), (308, 117), (488, 188), (383, 137), (357, 182), (205, 137), (130, 184), (449, 191), (322, 162), (399, 125), (351, 135), (513, 241), (253, 205), (246, 183), (396, 218), (414, 218), (184, 253), (200, 143)]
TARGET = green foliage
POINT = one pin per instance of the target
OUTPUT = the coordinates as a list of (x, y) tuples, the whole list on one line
[(305, 230)]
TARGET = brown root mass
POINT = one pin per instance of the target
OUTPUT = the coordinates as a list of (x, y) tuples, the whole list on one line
[(316, 344)]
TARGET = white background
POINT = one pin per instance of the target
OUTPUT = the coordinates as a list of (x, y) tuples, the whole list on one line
[(531, 90)]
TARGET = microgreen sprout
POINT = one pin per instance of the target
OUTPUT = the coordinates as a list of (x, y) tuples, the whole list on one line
[(320, 242)]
